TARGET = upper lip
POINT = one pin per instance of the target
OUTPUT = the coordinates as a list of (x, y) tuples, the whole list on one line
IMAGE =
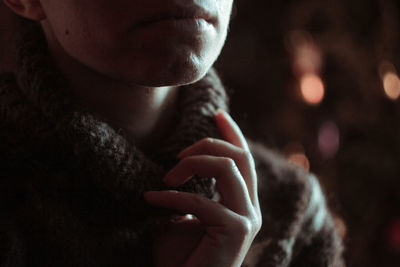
[(179, 12)]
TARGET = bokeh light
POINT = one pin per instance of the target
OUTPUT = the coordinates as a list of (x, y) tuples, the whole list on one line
[(295, 154), (306, 55), (391, 85), (300, 159), (390, 80), (312, 88), (341, 226), (328, 139), (394, 234)]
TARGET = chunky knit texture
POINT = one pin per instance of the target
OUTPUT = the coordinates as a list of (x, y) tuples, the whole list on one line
[(71, 185)]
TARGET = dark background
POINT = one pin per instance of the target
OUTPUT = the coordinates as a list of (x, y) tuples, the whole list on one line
[(351, 137), (279, 58)]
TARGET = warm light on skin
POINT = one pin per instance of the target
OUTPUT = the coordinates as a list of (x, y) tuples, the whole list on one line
[(391, 85), (312, 88)]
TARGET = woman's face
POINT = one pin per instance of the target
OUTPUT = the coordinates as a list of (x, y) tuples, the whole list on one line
[(145, 42)]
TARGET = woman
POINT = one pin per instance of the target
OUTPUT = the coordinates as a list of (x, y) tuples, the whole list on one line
[(114, 130)]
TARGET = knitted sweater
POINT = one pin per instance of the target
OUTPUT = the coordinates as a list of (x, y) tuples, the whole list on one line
[(71, 186)]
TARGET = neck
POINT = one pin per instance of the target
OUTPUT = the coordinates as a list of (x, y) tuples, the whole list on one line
[(145, 113)]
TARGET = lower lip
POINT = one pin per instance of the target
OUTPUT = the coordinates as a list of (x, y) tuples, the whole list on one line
[(186, 25)]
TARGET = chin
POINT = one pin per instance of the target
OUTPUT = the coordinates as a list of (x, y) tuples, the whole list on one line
[(173, 79), (177, 77), (172, 73)]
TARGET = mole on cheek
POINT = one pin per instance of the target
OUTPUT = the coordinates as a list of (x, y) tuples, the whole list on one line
[(66, 32)]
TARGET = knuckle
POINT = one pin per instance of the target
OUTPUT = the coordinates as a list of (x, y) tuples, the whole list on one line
[(228, 163), (256, 220), (257, 224), (244, 227), (207, 141), (208, 144), (245, 154), (247, 157), (197, 200), (248, 226)]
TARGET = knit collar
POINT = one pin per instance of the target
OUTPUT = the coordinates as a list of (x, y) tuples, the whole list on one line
[(49, 115)]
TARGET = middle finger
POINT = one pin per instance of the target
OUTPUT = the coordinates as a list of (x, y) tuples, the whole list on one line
[(229, 181), (243, 159)]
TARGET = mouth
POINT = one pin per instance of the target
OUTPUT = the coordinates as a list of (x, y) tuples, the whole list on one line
[(179, 13)]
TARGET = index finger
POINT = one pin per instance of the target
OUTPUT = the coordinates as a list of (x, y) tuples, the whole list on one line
[(230, 131)]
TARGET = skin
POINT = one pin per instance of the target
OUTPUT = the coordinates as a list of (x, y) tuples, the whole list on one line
[(128, 71), (221, 232)]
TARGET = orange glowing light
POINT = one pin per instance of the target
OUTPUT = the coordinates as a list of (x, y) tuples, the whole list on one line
[(299, 159), (312, 88), (341, 226), (307, 57), (391, 85), (394, 234)]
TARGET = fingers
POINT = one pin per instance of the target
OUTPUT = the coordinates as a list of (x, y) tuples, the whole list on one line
[(230, 131), (219, 148), (231, 224), (227, 235), (229, 181), (206, 210)]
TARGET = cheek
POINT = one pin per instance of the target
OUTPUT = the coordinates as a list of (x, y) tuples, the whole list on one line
[(87, 38)]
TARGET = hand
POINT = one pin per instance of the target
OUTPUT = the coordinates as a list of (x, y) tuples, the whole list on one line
[(221, 232)]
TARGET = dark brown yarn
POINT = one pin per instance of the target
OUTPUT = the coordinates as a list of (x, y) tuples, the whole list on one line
[(70, 153)]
